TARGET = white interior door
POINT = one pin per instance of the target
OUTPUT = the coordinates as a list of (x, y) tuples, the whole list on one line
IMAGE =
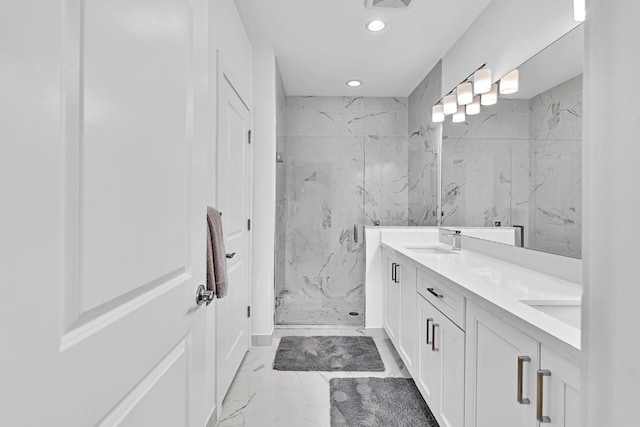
[(233, 189), (106, 240)]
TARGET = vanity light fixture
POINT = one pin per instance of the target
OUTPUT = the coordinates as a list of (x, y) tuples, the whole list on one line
[(482, 81), (450, 104), (375, 25), (579, 10), (459, 116), (509, 83), (354, 83), (437, 113), (474, 107), (491, 97), (465, 93)]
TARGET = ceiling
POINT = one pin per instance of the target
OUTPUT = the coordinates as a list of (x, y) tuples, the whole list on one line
[(556, 64), (320, 44)]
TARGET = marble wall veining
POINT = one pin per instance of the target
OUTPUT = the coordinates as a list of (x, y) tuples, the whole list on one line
[(555, 124), (345, 162), (424, 138)]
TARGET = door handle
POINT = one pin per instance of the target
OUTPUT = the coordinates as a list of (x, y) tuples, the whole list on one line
[(521, 360), (428, 321), (396, 270), (433, 337), (355, 234), (203, 296), (393, 272), (231, 255), (541, 374)]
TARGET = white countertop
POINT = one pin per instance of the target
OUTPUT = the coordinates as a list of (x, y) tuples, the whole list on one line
[(502, 284)]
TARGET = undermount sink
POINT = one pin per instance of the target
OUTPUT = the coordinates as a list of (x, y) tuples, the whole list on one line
[(431, 251), (569, 312)]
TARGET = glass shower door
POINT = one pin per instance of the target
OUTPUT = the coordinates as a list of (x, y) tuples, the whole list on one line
[(320, 277)]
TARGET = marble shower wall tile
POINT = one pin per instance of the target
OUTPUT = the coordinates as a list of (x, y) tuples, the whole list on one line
[(385, 191), (345, 160), (423, 146), (556, 169)]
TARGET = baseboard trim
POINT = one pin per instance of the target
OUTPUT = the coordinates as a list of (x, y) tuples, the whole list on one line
[(262, 340)]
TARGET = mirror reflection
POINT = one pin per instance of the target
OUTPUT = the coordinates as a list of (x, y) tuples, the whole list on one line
[(519, 162)]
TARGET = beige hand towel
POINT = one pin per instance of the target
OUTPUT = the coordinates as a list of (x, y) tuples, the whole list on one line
[(216, 255)]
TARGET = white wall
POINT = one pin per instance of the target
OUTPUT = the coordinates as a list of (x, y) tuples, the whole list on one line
[(506, 34), (228, 36), (264, 194), (611, 373)]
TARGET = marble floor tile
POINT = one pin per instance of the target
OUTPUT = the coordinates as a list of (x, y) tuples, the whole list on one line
[(260, 396)]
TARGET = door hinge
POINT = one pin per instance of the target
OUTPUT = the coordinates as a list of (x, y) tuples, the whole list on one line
[(250, 139), (248, 311), (249, 224)]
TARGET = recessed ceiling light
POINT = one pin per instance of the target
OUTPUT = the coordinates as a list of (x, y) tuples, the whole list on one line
[(354, 83), (375, 25)]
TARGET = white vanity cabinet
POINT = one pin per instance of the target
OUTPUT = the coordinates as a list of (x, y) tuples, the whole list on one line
[(440, 375), (561, 390), (400, 312), (391, 285), (500, 372), (408, 339), (513, 380)]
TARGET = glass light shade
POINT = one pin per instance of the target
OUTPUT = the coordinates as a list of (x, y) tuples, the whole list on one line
[(491, 97), (450, 104), (579, 10), (474, 107), (465, 93), (437, 113), (509, 83), (482, 81), (459, 116)]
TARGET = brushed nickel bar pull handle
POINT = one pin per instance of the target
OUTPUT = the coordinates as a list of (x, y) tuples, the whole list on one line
[(428, 321), (433, 337), (541, 374), (435, 292), (393, 272), (521, 360)]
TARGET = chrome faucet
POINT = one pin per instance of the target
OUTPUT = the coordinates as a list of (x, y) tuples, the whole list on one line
[(457, 239)]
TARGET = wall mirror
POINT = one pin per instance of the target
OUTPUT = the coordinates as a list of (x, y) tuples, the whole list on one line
[(519, 162)]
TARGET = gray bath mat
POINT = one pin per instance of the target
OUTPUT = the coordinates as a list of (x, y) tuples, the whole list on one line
[(388, 402), (328, 354)]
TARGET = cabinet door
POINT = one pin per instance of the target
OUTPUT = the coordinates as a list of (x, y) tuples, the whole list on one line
[(392, 299), (441, 365), (561, 390), (449, 346), (408, 318), (494, 351), (428, 365)]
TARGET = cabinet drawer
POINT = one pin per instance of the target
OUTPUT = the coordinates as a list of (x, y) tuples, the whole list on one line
[(443, 297)]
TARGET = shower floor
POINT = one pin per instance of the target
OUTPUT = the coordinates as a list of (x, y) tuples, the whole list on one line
[(333, 312)]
